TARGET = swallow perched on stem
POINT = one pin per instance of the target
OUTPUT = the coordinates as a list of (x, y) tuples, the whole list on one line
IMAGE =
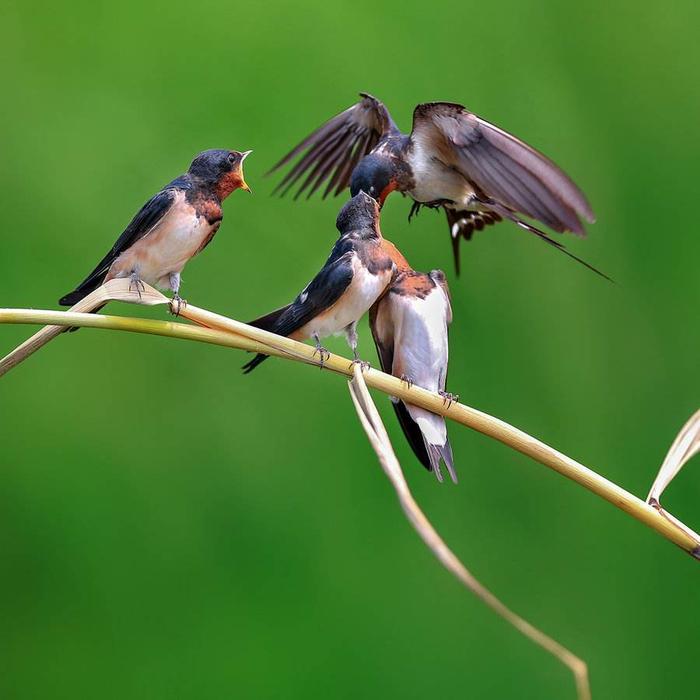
[(409, 326), (172, 227), (452, 159), (356, 274)]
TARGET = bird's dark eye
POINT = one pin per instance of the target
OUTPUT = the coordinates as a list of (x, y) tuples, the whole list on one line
[(231, 158)]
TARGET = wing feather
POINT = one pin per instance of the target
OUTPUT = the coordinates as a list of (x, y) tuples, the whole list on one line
[(326, 163), (313, 156), (145, 220), (336, 147), (501, 166), (320, 294)]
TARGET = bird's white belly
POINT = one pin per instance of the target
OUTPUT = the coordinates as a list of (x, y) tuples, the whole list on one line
[(434, 180), (420, 341), (421, 354), (166, 249), (171, 251), (454, 189), (363, 291)]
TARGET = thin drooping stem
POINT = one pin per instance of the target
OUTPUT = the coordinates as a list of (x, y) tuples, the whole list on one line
[(378, 438), (239, 335)]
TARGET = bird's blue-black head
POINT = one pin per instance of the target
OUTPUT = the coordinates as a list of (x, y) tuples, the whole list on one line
[(220, 169), (376, 175), (360, 213)]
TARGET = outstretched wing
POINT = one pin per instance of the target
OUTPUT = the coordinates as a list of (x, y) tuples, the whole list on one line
[(148, 216), (334, 149), (500, 166)]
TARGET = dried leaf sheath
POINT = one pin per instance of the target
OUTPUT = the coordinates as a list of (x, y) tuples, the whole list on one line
[(684, 448)]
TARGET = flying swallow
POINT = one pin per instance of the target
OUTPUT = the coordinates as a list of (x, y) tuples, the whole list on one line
[(409, 326), (356, 274), (452, 159), (172, 227)]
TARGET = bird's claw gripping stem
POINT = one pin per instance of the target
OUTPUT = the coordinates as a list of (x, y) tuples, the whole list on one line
[(407, 381), (135, 284), (448, 399), (177, 303), (323, 355), (364, 365)]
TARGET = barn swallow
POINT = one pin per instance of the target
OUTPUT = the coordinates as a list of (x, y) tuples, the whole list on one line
[(172, 227), (452, 159), (356, 274), (409, 326)]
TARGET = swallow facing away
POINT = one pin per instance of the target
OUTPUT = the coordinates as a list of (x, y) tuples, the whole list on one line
[(452, 159), (172, 227), (409, 326), (356, 274)]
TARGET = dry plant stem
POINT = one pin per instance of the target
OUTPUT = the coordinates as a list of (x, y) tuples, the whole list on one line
[(167, 329), (373, 426), (112, 291), (493, 427), (263, 341), (119, 290)]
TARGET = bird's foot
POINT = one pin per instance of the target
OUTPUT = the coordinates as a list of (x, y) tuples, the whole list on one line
[(415, 210), (323, 355), (448, 399), (436, 203), (364, 365), (407, 381), (177, 303), (136, 285)]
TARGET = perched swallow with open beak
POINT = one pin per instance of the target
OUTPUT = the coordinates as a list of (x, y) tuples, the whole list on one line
[(356, 274), (409, 326), (452, 159), (172, 227)]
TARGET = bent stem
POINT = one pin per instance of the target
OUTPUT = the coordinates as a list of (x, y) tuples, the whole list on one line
[(111, 291), (222, 330), (378, 438)]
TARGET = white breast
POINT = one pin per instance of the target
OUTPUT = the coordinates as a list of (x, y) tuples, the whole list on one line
[(363, 291), (433, 179), (421, 353), (420, 338), (167, 247)]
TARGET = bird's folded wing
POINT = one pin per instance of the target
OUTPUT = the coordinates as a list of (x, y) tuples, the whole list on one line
[(322, 292), (147, 217), (501, 166), (334, 149)]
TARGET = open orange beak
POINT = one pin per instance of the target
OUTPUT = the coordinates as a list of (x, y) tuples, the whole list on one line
[(244, 184)]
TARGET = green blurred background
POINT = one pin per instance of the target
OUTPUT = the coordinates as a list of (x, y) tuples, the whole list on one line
[(170, 528)]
